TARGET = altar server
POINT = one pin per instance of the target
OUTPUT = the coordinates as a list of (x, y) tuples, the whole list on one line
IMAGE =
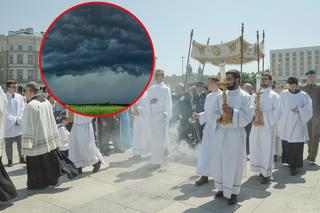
[(262, 137), (206, 118), (160, 105), (296, 109)]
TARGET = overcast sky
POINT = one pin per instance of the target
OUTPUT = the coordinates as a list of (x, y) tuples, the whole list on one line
[(100, 53)]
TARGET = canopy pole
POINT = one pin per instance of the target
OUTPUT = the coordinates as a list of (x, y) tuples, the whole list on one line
[(241, 50)]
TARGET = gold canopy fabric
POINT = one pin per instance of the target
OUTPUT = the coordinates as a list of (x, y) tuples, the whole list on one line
[(229, 53)]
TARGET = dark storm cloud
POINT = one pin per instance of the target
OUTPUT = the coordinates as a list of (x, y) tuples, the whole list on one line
[(92, 38)]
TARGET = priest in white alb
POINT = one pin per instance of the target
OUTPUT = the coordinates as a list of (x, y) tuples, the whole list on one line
[(160, 105), (262, 137), (41, 142), (206, 118), (229, 145), (141, 127), (82, 148), (296, 111)]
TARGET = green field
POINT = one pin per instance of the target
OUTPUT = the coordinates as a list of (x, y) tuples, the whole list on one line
[(96, 109)]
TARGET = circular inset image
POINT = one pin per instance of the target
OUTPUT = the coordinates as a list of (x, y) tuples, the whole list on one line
[(96, 59)]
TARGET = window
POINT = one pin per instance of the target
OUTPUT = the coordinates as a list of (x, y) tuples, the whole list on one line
[(294, 54), (11, 47), (30, 59), (10, 74), (10, 59), (19, 59), (19, 74), (20, 47), (30, 47), (30, 74)]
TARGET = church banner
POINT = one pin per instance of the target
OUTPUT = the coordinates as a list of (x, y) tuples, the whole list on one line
[(229, 52)]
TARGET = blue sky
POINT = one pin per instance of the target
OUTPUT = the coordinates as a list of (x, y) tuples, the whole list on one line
[(287, 23)]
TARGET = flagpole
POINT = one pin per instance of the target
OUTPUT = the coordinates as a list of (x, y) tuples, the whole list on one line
[(187, 67), (241, 49), (182, 57), (258, 55)]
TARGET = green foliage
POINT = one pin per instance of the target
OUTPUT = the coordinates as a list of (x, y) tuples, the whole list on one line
[(96, 109), (249, 78)]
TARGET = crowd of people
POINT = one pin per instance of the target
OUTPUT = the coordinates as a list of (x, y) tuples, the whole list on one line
[(223, 124)]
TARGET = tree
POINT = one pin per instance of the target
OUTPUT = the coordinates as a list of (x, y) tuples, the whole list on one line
[(249, 78)]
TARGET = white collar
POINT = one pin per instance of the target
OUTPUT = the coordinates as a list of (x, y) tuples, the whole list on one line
[(268, 89), (234, 92)]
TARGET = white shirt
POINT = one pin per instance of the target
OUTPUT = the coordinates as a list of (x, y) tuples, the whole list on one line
[(14, 114)]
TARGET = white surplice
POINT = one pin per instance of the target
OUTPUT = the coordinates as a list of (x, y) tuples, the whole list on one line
[(14, 115), (262, 138), (293, 126), (3, 109), (160, 114), (229, 145), (82, 148), (206, 151), (141, 128), (64, 137), (39, 129)]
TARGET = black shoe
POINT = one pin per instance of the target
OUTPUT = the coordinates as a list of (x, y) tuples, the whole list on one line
[(293, 171), (79, 170), (219, 194), (275, 158), (312, 160), (265, 180), (233, 200), (96, 167), (260, 175), (202, 180), (22, 160), (9, 163)]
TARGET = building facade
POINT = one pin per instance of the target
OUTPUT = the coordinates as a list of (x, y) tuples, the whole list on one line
[(19, 57), (294, 62)]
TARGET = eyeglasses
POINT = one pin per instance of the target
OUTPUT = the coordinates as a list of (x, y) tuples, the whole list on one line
[(26, 90), (158, 75)]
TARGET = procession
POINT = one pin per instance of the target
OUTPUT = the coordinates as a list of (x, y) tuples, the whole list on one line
[(50, 150), (240, 134)]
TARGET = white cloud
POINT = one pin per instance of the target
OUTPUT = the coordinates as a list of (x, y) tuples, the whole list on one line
[(121, 88)]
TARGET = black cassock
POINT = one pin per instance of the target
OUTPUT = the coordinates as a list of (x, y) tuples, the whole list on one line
[(7, 189)]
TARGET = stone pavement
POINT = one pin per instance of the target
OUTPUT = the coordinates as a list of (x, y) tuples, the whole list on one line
[(129, 185)]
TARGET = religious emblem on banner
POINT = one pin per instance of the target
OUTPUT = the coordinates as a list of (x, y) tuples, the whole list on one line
[(216, 51)]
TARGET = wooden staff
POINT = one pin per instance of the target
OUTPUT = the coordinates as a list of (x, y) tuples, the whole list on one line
[(263, 35)]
